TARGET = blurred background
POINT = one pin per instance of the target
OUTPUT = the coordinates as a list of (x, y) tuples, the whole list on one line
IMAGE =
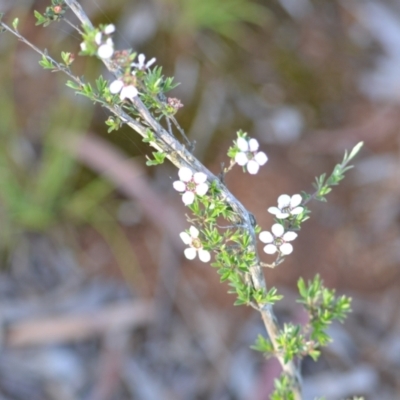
[(96, 299)]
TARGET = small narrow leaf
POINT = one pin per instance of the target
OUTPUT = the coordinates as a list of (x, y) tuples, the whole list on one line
[(15, 23), (355, 150)]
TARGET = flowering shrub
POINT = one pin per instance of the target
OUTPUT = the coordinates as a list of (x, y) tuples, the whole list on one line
[(137, 97)]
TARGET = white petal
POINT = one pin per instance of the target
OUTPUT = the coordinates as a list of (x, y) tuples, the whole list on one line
[(282, 215), (188, 198), (252, 167), (277, 230), (185, 238), (241, 159), (128, 92), (83, 46), (185, 174), (190, 253), (109, 29), (289, 236), (297, 211), (199, 177), (296, 200), (253, 145), (283, 200), (274, 210), (266, 237), (150, 62), (286, 248), (110, 42), (204, 255), (202, 189), (116, 86), (242, 144), (179, 186), (270, 249), (141, 60), (98, 37), (261, 158), (105, 51), (194, 232)]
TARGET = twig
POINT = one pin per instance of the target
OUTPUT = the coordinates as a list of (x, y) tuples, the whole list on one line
[(73, 26), (180, 156), (78, 326)]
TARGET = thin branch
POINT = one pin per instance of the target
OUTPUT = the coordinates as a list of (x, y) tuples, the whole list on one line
[(182, 132), (180, 157), (73, 26)]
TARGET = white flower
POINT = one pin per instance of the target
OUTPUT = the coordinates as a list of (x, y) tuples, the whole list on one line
[(287, 206), (191, 184), (141, 62), (109, 29), (195, 245), (248, 155), (83, 46), (106, 50), (277, 240), (125, 91)]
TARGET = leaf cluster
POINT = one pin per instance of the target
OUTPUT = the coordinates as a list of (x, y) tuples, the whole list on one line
[(283, 388), (323, 184), (53, 13), (323, 308)]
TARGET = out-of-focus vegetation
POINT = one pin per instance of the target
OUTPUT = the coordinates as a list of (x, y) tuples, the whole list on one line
[(223, 18)]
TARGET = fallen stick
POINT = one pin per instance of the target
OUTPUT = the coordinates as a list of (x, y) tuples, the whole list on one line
[(79, 326)]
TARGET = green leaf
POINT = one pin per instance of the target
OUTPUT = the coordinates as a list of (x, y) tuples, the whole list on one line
[(101, 85), (355, 150), (263, 345), (67, 58), (302, 287), (159, 158), (15, 23), (149, 137), (40, 19), (113, 123), (73, 85), (46, 63)]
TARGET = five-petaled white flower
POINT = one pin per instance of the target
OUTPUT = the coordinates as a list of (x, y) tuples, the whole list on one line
[(277, 240), (287, 206), (195, 245), (126, 91), (249, 156), (141, 64), (191, 184)]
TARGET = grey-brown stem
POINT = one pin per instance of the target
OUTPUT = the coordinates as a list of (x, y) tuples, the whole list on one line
[(180, 156)]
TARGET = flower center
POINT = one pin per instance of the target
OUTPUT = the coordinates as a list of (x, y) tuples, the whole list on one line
[(191, 186), (196, 243), (278, 242), (250, 155), (286, 209)]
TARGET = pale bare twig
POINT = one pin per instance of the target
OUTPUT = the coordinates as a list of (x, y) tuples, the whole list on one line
[(180, 156)]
